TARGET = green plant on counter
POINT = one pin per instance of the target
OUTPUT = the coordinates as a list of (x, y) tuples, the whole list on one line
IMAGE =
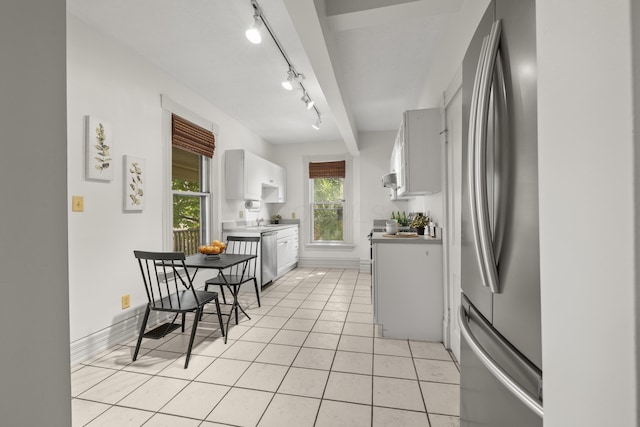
[(419, 221), (276, 218)]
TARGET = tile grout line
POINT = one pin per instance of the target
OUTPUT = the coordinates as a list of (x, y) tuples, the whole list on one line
[(334, 285)]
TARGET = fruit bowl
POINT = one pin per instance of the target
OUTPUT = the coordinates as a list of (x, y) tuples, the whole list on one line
[(215, 248)]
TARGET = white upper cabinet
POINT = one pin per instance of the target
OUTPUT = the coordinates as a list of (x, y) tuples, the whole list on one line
[(250, 177), (416, 157), (274, 186)]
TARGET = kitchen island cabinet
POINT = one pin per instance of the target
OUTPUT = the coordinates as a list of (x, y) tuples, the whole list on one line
[(408, 295)]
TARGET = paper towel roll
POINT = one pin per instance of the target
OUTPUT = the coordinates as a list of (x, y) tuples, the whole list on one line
[(252, 205)]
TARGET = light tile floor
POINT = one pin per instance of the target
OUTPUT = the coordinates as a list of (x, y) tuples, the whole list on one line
[(308, 357)]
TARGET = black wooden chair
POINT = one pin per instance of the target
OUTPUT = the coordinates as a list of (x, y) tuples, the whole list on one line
[(235, 276), (169, 289)]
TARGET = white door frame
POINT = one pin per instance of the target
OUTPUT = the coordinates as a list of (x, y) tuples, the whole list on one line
[(452, 142)]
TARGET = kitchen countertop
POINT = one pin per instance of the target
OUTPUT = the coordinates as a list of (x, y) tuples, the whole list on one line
[(259, 229), (379, 238)]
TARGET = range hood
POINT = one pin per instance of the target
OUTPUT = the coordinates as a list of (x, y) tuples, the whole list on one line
[(390, 181)]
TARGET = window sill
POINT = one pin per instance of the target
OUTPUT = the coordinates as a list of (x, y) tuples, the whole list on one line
[(329, 246)]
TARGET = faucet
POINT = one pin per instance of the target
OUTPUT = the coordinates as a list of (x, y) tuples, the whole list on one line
[(259, 220)]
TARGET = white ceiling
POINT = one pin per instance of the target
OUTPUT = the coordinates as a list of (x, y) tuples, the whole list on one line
[(365, 61)]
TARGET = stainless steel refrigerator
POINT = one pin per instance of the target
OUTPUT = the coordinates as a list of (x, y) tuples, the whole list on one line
[(501, 354)]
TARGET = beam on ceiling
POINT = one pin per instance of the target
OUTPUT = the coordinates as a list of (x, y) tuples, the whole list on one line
[(389, 14), (338, 7), (312, 35)]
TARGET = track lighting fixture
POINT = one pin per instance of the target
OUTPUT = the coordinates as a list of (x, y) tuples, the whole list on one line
[(253, 33), (293, 77)]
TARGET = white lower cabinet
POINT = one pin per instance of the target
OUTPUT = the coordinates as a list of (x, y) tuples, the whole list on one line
[(408, 294), (287, 249)]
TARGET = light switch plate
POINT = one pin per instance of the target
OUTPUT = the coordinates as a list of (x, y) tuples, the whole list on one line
[(77, 204)]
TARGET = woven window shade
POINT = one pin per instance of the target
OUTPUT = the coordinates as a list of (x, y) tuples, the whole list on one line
[(190, 137), (327, 169)]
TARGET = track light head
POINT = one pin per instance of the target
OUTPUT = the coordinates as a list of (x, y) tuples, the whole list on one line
[(307, 101), (291, 76), (253, 33), (316, 125)]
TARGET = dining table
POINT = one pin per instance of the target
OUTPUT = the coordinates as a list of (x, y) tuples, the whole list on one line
[(220, 263)]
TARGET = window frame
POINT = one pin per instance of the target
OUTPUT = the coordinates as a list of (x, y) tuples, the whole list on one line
[(205, 200), (207, 174), (347, 226)]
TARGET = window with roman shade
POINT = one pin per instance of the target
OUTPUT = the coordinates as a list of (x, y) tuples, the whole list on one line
[(327, 201), (192, 147), (327, 169), (191, 137)]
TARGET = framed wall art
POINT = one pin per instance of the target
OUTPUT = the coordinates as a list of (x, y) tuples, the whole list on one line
[(99, 149), (134, 179)]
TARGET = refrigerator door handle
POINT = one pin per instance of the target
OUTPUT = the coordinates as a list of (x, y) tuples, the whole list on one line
[(480, 166), (471, 163), (522, 394)]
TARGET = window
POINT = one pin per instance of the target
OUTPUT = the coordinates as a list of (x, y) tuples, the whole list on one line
[(327, 185), (191, 150)]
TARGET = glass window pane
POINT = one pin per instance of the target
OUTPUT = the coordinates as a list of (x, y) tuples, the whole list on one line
[(328, 221), (328, 189), (185, 170), (186, 223)]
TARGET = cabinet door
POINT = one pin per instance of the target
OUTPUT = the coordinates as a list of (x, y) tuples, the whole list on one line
[(282, 185), (293, 249), (409, 301), (234, 174), (254, 175), (274, 189), (282, 255)]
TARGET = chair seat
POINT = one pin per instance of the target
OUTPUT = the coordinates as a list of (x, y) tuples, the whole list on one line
[(232, 279), (187, 301)]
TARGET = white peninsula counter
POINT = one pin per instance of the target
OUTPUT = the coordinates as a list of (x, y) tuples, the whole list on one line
[(408, 296)]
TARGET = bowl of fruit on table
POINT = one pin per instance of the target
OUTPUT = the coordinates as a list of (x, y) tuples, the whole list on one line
[(213, 250)]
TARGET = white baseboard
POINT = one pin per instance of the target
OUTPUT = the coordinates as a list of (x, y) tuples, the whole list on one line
[(365, 266), (120, 332), (353, 263)]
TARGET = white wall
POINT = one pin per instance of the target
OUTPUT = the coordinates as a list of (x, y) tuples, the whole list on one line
[(371, 200), (588, 166), (446, 63), (110, 82), (451, 50), (34, 307)]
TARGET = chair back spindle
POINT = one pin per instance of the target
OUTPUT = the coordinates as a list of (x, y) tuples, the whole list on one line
[(245, 246), (164, 274)]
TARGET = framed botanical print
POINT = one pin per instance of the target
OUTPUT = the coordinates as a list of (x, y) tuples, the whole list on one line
[(134, 179), (99, 149)]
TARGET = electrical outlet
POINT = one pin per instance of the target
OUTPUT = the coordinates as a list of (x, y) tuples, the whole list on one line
[(293, 215), (241, 214), (77, 204), (126, 301)]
